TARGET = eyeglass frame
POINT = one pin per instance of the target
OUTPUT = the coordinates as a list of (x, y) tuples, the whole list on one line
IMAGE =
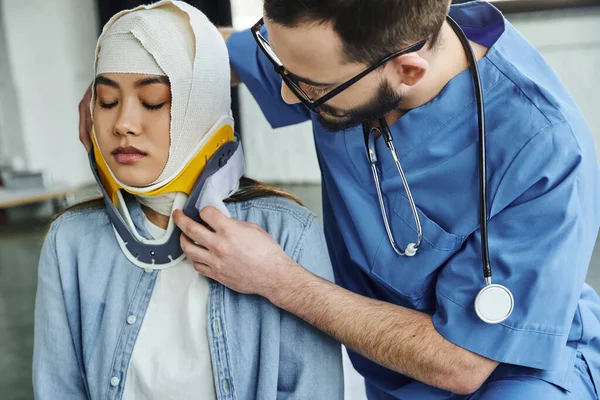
[(301, 94)]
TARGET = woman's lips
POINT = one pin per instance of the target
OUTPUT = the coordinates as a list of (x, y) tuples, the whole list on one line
[(128, 155)]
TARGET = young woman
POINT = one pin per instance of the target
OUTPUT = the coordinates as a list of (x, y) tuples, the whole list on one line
[(111, 325)]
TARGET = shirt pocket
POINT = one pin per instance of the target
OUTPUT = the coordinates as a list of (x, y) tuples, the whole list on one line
[(413, 277)]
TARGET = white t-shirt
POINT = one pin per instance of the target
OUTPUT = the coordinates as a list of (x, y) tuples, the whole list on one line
[(171, 357)]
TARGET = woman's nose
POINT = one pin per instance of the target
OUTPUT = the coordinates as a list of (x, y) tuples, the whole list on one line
[(129, 122)]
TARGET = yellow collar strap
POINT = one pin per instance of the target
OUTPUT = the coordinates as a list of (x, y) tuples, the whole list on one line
[(183, 182)]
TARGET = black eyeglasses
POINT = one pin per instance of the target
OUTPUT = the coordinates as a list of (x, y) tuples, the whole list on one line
[(293, 83)]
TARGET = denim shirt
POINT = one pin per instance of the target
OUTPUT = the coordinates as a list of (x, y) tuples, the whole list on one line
[(91, 303)]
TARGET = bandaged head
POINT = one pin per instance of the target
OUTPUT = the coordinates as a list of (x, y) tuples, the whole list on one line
[(173, 39), (205, 160)]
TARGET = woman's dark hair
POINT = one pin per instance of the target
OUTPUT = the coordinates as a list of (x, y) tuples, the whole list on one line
[(369, 30), (250, 189)]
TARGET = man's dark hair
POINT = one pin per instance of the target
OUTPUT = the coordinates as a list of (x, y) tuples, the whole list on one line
[(369, 29)]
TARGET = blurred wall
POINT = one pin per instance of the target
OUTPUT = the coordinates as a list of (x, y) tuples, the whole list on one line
[(569, 40), (50, 52), (11, 143), (282, 155)]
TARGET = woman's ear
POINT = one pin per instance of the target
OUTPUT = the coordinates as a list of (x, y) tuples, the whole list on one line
[(407, 69)]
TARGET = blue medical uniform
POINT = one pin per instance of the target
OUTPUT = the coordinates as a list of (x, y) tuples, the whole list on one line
[(544, 210)]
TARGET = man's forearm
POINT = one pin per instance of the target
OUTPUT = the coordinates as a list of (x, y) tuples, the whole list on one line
[(226, 33), (398, 338)]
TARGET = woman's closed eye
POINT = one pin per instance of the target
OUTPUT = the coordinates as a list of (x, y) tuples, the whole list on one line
[(148, 106), (107, 105), (152, 107)]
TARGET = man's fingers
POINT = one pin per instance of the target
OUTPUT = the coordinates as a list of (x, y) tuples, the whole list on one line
[(85, 119), (195, 253), (214, 218), (82, 129), (195, 231), (88, 127), (204, 270)]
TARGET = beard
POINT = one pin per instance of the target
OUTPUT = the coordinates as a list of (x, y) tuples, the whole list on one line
[(384, 101)]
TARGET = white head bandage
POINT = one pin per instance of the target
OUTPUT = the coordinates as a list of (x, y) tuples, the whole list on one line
[(123, 53), (174, 39)]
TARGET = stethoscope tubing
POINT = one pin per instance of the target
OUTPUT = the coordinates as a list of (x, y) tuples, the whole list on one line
[(411, 251), (483, 215), (385, 133), (494, 303)]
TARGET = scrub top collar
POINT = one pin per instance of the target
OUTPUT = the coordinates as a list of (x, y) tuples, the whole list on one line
[(484, 25)]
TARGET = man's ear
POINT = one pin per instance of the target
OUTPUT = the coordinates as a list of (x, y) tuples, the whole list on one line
[(407, 69)]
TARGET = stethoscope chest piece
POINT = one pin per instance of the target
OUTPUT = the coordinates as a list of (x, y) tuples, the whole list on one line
[(494, 304)]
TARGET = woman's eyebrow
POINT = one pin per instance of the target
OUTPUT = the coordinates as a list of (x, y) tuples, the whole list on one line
[(102, 80), (152, 80)]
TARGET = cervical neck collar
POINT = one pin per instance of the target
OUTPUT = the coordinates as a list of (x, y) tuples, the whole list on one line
[(208, 178)]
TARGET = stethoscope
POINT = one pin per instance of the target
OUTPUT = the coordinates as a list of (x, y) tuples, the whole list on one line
[(494, 303)]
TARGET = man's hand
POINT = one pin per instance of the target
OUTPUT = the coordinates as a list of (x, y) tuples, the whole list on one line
[(85, 119), (245, 258), (238, 254)]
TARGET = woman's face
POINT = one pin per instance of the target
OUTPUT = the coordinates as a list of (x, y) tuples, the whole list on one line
[(132, 118)]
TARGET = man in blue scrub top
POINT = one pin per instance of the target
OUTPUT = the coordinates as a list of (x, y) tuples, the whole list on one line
[(410, 321)]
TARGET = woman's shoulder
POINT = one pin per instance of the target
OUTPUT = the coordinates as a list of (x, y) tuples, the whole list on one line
[(80, 222), (286, 221), (75, 240), (272, 208)]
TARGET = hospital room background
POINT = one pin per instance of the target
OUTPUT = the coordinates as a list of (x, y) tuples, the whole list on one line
[(46, 56)]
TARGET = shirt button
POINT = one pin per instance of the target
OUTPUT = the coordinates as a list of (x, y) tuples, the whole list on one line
[(226, 386), (148, 270), (217, 327), (131, 319), (114, 381)]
